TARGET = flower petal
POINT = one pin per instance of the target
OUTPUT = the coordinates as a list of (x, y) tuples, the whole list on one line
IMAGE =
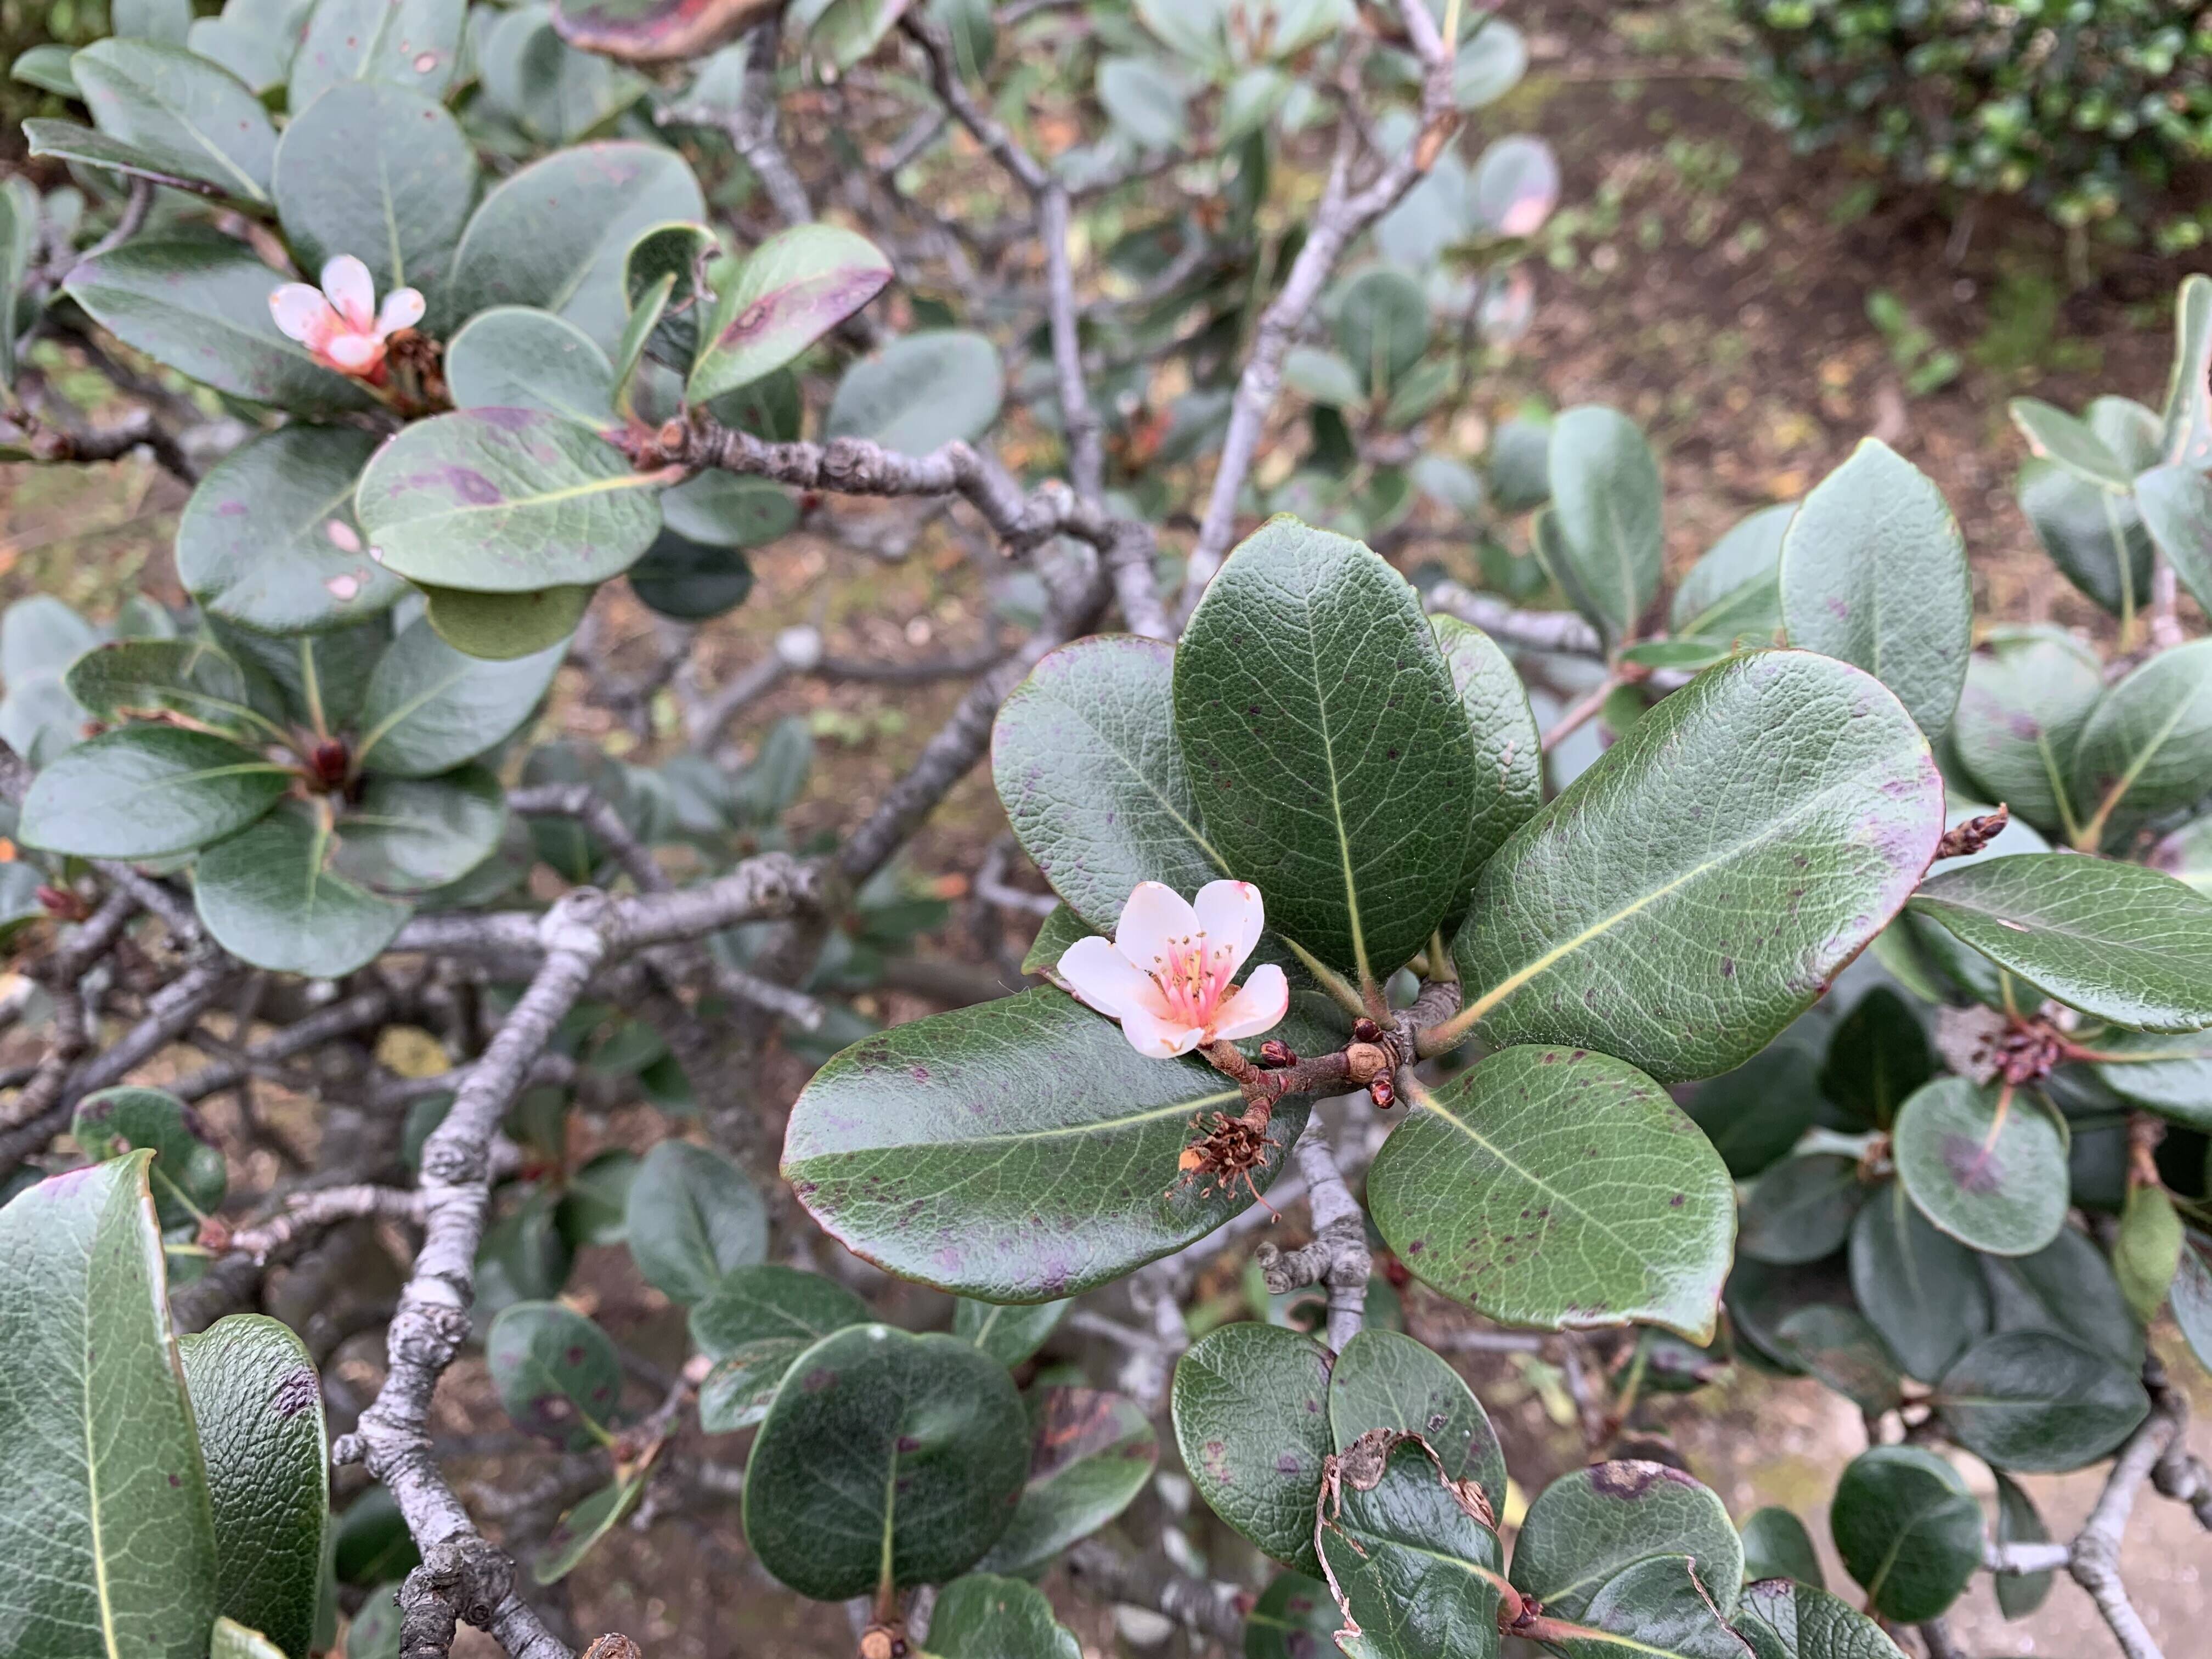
[(1102, 976), (352, 291), (356, 354), (303, 314), (1154, 924), (1232, 915), (1161, 1039), (1256, 1005), (402, 309)]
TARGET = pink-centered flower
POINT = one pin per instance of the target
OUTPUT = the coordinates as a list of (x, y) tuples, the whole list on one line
[(339, 322), (1166, 974)]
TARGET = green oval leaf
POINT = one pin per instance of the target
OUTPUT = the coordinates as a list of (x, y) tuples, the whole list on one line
[(1802, 1208), (1248, 1403), (269, 539), (1009, 1334), (1755, 1114), (931, 1151), (1919, 1287), (1085, 757), (1908, 1530), (2030, 1401), (269, 894), (373, 1544), (2071, 444), (1293, 1619), (1985, 1165), (202, 308), (414, 44), (2096, 538), (1657, 1608), (1874, 573), (1386, 1381), (764, 1301), (790, 291), (505, 501), (689, 581), (721, 509), (410, 835), (885, 1459), (2147, 745), (1877, 1055), (555, 94), (1734, 592), (518, 357), (921, 391), (2171, 1074), (1782, 1620), (254, 39), (983, 1616), (145, 791), (2019, 1594), (1418, 1575), (190, 119), (381, 173), (571, 1540), (2176, 504), (1777, 1546), (2028, 693), (1588, 1526), (2066, 1288), (101, 1474), (556, 1372), (1561, 1188), (429, 709), (1779, 785), (188, 1176), (152, 678), (1509, 773), (555, 236), (1326, 746), (1844, 1351), (1605, 510), (2125, 944), (1090, 1454), (694, 1219), (503, 628), (259, 1406)]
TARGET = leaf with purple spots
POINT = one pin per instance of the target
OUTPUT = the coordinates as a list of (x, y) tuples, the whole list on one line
[(1986, 1165), (506, 500), (1251, 1419), (790, 291), (259, 1407), (556, 1373)]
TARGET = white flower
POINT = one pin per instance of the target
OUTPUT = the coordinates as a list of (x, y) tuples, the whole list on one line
[(339, 321), (1166, 974)]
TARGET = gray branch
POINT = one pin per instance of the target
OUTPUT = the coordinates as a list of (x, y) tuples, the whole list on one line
[(1559, 631), (1343, 214), (1338, 1257)]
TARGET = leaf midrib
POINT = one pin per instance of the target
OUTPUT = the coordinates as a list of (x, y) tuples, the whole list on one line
[(1016, 1136)]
